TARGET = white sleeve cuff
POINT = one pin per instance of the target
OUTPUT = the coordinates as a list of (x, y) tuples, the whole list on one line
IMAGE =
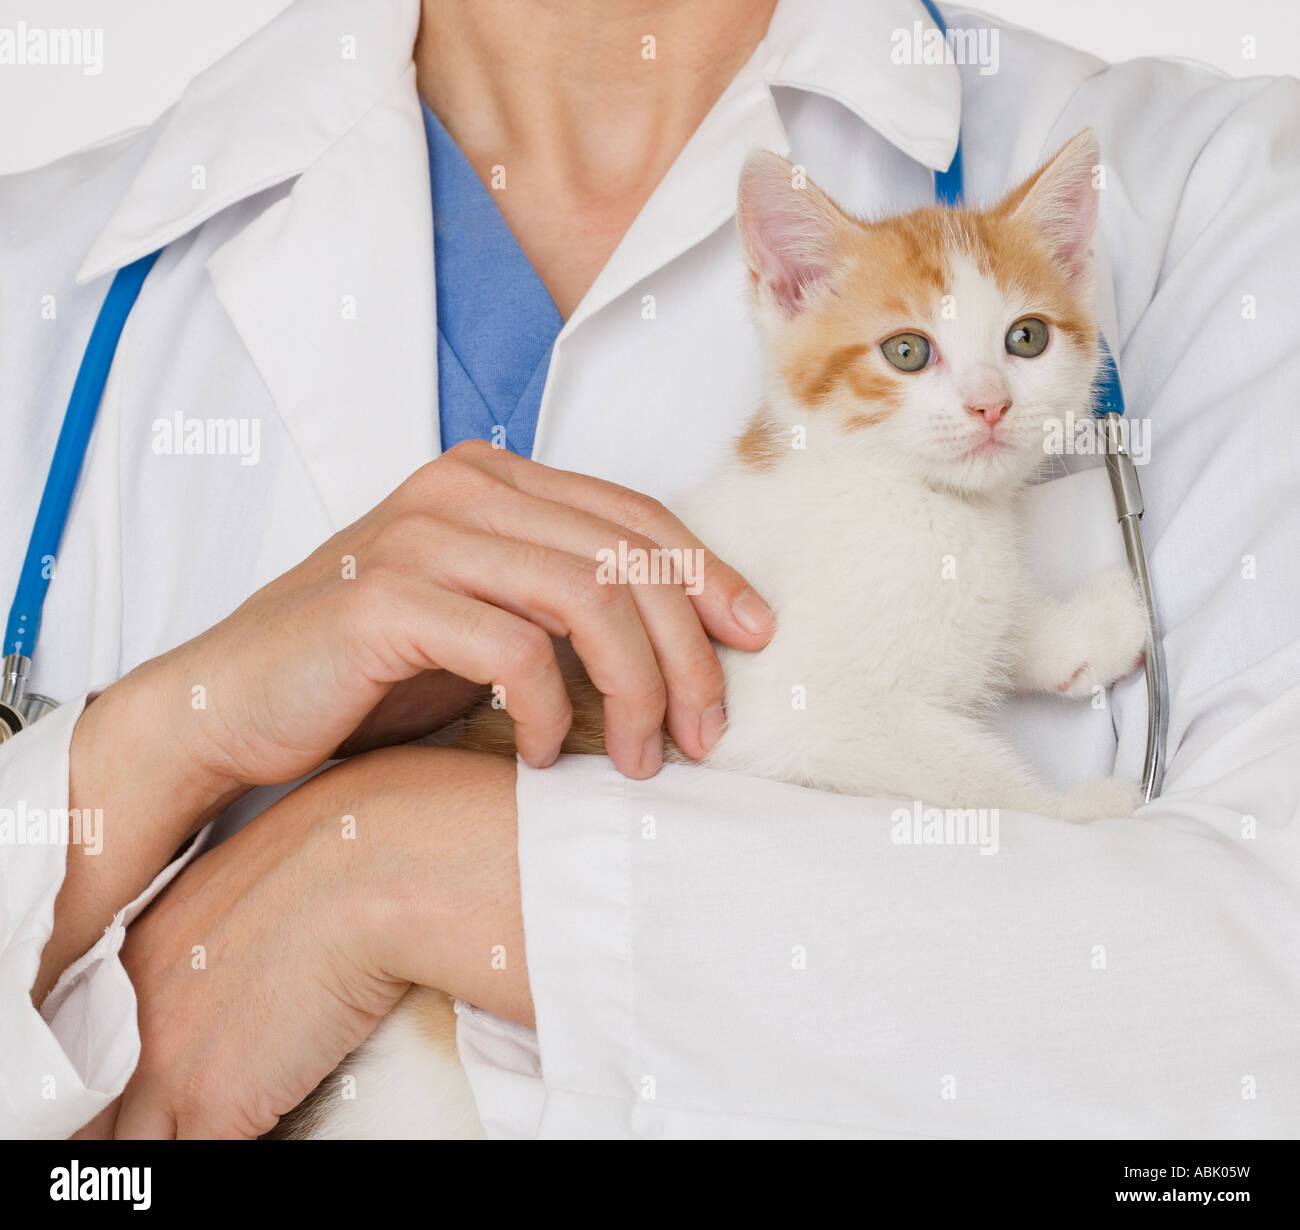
[(575, 887), (61, 1066)]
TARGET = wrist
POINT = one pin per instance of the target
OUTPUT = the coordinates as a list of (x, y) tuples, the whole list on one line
[(359, 814), (129, 754), (125, 764), (441, 905), (412, 855)]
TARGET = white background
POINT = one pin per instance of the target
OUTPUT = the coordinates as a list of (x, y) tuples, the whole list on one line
[(153, 47)]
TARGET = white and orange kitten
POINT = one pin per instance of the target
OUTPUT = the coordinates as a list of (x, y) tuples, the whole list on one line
[(875, 501)]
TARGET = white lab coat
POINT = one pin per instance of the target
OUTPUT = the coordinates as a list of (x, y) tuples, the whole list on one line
[(756, 959)]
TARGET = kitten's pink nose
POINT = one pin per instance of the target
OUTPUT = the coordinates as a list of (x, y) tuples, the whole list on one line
[(991, 405)]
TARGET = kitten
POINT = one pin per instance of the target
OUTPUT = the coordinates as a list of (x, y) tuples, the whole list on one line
[(875, 501)]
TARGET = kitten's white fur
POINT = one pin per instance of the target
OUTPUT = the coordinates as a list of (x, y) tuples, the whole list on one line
[(404, 1082), (894, 559), (905, 612)]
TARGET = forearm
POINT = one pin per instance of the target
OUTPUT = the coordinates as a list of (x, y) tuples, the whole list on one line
[(422, 842), (127, 766), (435, 841)]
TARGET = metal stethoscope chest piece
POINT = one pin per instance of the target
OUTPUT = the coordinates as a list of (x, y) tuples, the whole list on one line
[(19, 708)]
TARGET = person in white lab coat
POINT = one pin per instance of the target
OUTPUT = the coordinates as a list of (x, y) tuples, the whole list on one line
[(706, 955)]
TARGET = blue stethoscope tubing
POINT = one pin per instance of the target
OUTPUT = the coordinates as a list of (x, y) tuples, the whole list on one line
[(65, 468), (18, 707)]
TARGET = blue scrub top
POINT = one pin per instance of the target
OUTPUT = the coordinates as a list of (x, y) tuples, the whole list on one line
[(497, 323)]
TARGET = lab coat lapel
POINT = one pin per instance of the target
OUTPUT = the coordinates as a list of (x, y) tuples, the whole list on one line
[(697, 195), (330, 288), (837, 47), (694, 199), (257, 117), (331, 291)]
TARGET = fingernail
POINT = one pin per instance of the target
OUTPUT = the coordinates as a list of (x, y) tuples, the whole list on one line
[(549, 759), (752, 613), (652, 754), (712, 721)]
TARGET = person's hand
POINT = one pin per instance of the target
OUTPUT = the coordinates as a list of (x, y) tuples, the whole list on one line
[(469, 568), (274, 955), (459, 579), (247, 983)]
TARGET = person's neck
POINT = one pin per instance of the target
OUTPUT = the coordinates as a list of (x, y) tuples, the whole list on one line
[(584, 104)]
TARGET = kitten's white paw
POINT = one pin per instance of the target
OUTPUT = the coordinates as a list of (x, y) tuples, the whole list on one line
[(1108, 798), (1114, 632)]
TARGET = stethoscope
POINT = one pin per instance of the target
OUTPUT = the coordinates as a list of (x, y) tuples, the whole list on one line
[(19, 707), (1129, 506)]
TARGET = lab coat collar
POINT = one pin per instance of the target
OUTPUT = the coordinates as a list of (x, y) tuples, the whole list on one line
[(330, 288), (838, 48), (845, 49), (247, 123), (257, 117)]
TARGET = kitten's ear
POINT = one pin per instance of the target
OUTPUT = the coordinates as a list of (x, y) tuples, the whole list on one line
[(790, 229), (1060, 202)]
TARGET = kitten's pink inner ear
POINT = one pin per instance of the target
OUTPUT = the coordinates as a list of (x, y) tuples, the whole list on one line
[(789, 228), (1060, 201)]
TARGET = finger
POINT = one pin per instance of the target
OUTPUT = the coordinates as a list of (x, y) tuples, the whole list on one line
[(688, 663), (143, 1114), (200, 1125), (560, 593), (411, 710), (729, 607), (686, 658), (482, 642)]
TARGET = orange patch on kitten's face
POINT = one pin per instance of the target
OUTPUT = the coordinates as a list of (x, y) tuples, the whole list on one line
[(893, 278), (887, 281), (1011, 252), (817, 377)]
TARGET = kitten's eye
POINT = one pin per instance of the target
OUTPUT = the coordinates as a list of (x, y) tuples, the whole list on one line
[(909, 352), (1027, 337)]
